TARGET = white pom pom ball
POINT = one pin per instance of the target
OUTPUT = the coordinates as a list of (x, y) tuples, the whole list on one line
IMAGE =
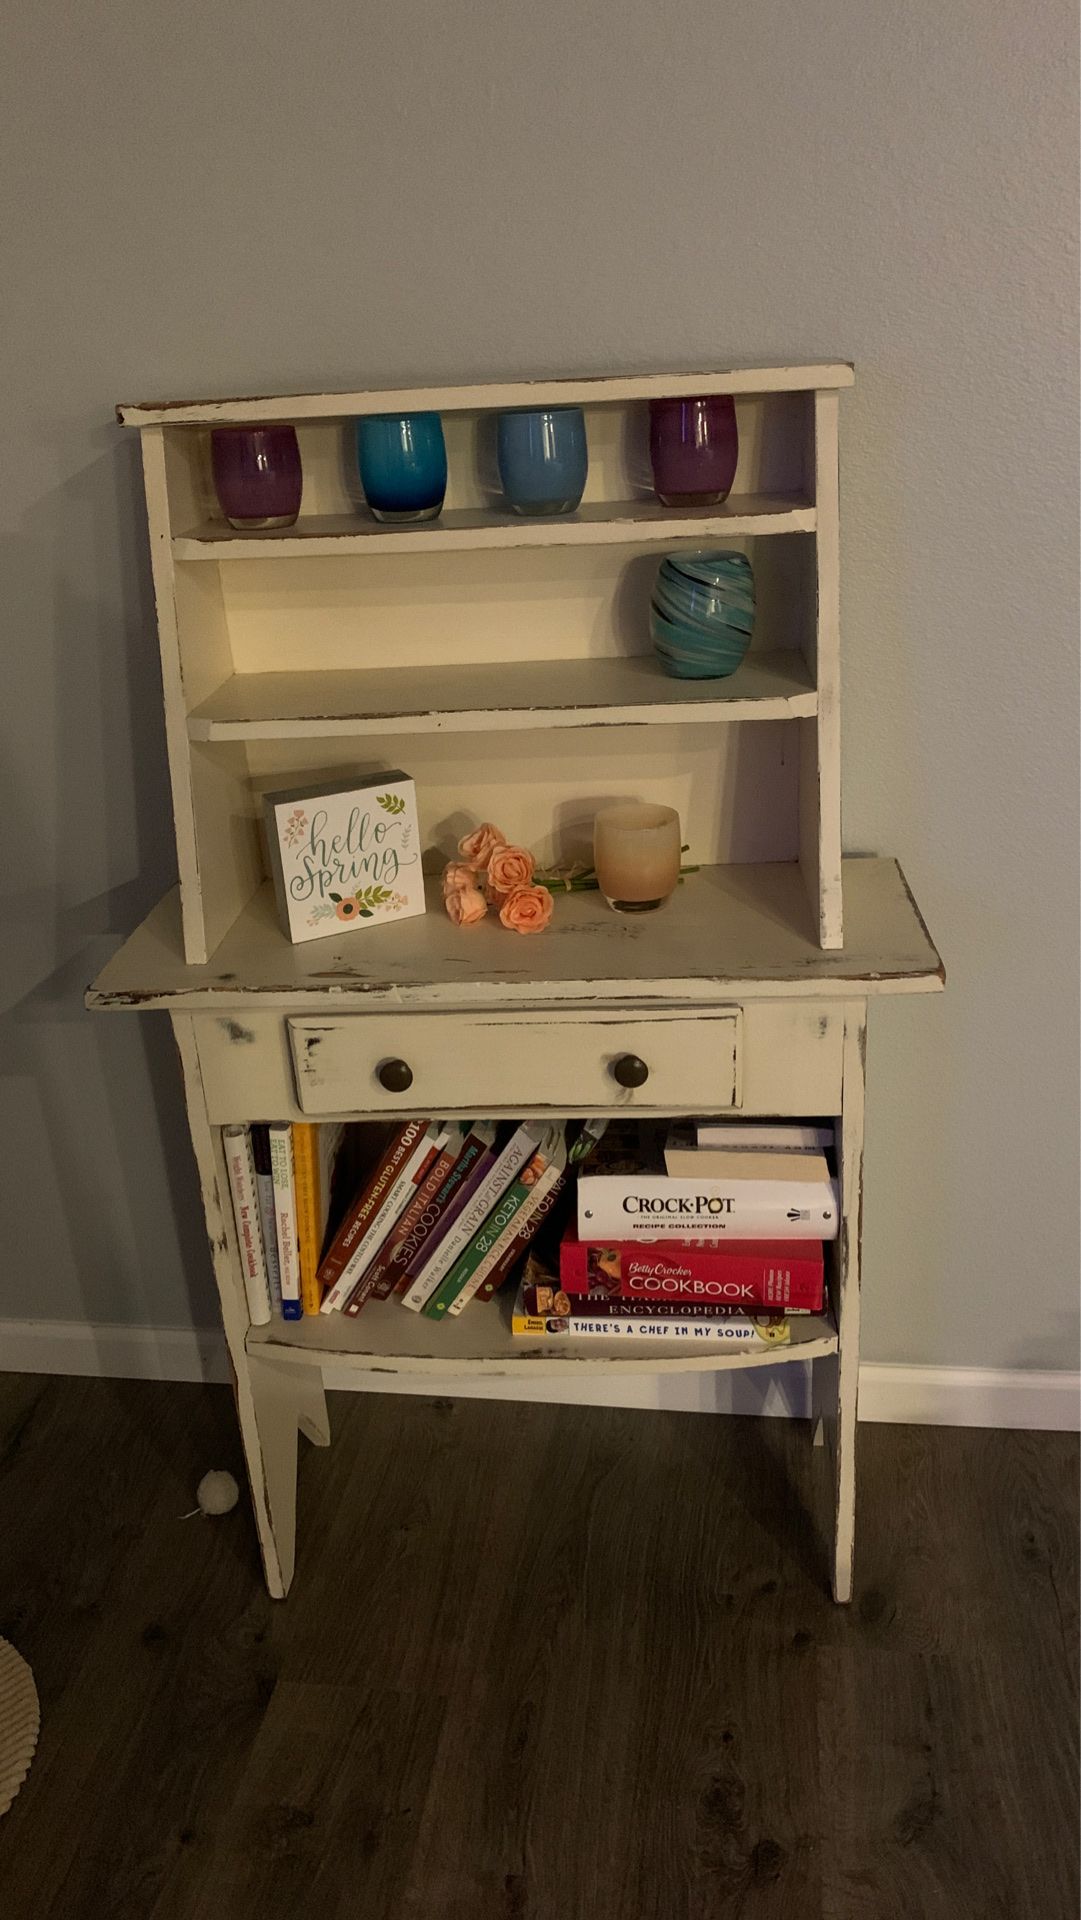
[(217, 1493)]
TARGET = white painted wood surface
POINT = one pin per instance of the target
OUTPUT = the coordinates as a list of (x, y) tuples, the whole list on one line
[(478, 1063), (522, 695), (567, 391), (480, 1342), (847, 1301), (790, 1060), (820, 768), (176, 740), (268, 1404), (613, 523), (727, 934)]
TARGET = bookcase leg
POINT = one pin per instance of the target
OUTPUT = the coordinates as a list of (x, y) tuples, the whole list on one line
[(847, 1300), (312, 1416), (272, 1468), (272, 1401)]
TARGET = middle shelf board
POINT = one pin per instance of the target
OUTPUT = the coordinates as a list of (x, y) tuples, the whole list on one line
[(597, 523), (630, 690), (385, 1338)]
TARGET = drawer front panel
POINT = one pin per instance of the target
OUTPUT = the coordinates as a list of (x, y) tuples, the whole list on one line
[(789, 1061), (480, 1063)]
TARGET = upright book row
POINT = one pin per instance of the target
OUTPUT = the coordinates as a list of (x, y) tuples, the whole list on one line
[(718, 1234)]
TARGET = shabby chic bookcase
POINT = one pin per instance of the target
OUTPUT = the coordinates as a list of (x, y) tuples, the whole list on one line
[(506, 663)]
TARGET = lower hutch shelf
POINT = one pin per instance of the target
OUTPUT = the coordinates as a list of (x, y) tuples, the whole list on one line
[(387, 1339)]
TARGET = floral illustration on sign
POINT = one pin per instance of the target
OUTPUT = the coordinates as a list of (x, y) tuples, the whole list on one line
[(358, 906), (293, 830), (390, 802)]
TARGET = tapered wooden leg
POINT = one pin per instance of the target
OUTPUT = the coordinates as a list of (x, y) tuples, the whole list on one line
[(274, 1469), (312, 1415), (274, 1401), (848, 1299), (835, 1379)]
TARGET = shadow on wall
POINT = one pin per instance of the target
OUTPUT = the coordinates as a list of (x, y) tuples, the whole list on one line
[(105, 1223)]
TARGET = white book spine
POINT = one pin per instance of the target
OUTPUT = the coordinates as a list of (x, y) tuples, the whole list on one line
[(264, 1189), (655, 1207), (398, 1198), (528, 1208), (285, 1217), (510, 1162), (798, 1138), (249, 1235)]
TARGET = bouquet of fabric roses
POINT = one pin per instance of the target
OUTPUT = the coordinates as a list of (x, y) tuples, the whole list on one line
[(489, 872)]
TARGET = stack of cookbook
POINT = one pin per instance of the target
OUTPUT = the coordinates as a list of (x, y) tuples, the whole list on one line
[(717, 1239)]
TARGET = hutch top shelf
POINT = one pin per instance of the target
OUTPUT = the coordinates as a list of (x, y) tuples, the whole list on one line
[(512, 393)]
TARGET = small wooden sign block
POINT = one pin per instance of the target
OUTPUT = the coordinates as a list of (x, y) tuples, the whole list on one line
[(345, 856)]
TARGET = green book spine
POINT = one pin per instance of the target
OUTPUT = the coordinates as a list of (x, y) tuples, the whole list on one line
[(483, 1242)]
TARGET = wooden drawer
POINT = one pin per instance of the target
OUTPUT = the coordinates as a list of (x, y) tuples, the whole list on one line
[(479, 1063)]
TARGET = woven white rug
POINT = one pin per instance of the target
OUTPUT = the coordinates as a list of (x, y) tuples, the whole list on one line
[(19, 1722)]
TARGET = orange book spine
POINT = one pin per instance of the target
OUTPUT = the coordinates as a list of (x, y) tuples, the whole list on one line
[(306, 1181)]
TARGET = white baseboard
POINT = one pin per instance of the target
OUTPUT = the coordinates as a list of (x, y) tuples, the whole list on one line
[(971, 1397), (922, 1396), (113, 1352)]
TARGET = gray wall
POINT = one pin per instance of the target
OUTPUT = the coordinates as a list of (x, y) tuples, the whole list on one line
[(244, 198)]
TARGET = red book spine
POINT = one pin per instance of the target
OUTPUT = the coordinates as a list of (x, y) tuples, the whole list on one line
[(434, 1215), (383, 1273), (743, 1273), (359, 1215)]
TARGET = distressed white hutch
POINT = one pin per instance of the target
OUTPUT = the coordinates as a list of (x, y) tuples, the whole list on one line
[(506, 664)]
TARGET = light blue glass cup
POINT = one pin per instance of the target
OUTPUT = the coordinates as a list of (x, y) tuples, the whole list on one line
[(543, 459), (402, 459)]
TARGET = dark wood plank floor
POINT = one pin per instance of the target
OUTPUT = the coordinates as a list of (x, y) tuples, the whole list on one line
[(538, 1663)]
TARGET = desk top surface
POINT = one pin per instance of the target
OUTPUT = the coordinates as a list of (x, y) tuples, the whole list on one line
[(735, 930)]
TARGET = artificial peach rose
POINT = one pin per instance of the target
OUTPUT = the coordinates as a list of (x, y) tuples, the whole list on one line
[(508, 869), (479, 846), (527, 910), (458, 873), (466, 905)]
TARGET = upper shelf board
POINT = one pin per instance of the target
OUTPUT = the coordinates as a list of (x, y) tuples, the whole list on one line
[(599, 523), (557, 392), (736, 930), (517, 695)]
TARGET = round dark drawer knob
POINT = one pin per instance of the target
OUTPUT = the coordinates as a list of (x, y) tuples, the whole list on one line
[(630, 1071), (396, 1076)]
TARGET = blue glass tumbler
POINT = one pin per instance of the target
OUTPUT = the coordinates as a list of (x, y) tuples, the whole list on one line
[(402, 459), (543, 459)]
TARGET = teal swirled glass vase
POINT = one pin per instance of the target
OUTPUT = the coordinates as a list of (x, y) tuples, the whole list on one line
[(702, 614)]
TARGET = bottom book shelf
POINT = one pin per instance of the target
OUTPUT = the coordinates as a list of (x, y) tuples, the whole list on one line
[(383, 1339)]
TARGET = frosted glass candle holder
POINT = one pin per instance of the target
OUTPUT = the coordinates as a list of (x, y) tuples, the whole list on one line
[(636, 849)]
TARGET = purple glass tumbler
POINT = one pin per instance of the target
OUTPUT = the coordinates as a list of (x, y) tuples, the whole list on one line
[(694, 447), (257, 475)]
